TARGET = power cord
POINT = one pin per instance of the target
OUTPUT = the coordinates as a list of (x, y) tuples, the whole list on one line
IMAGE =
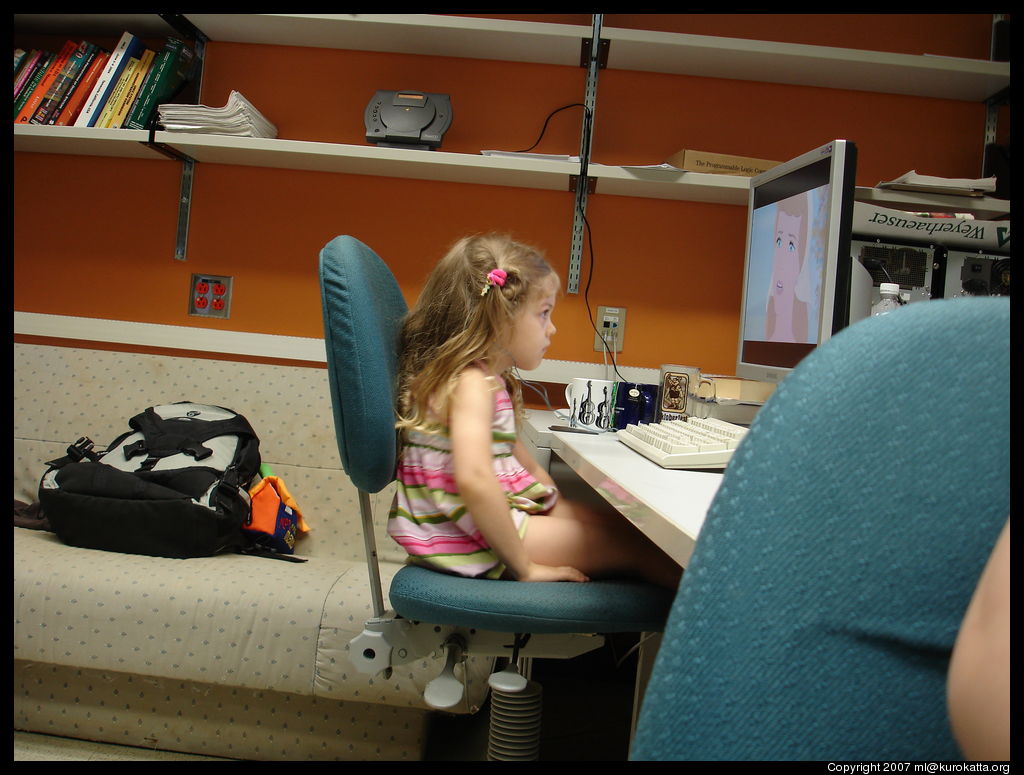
[(608, 352), (550, 115), (877, 264), (587, 128)]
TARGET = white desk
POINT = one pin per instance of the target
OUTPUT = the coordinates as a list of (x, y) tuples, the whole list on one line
[(669, 506)]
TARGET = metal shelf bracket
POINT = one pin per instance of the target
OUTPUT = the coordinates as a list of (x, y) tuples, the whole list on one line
[(598, 51)]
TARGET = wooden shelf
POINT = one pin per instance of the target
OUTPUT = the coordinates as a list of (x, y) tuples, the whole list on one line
[(459, 36), (79, 141), (985, 208), (371, 160), (651, 183), (652, 51), (456, 167), (920, 75), (388, 162), (427, 34), (806, 65)]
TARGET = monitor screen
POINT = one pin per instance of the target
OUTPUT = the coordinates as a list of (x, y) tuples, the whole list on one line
[(796, 284)]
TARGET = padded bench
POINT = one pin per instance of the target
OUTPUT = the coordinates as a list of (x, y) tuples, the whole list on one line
[(234, 656)]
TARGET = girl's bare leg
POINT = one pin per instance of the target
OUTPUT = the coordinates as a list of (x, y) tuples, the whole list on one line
[(599, 543)]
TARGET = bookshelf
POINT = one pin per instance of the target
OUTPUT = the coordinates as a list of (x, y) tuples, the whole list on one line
[(446, 167), (472, 38), (652, 51), (520, 41)]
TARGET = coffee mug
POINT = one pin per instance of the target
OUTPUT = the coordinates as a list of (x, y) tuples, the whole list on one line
[(679, 387), (590, 403), (635, 404)]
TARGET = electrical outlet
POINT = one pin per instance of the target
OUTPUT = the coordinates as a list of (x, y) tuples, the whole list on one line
[(210, 296), (611, 328)]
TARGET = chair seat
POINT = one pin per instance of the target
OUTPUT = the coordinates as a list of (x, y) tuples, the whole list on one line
[(536, 607)]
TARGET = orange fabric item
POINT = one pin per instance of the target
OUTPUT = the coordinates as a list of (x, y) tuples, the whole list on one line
[(275, 512)]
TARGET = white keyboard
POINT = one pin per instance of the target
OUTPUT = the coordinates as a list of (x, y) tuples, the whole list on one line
[(692, 443)]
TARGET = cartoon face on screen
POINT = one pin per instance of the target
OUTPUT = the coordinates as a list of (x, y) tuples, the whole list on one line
[(786, 319)]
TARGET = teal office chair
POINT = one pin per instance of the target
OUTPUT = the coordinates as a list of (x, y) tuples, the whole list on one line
[(817, 615), (363, 308)]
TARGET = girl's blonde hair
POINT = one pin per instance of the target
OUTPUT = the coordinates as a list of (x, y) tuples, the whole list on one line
[(456, 322)]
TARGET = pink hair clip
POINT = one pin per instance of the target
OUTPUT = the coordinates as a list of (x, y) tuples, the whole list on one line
[(495, 277)]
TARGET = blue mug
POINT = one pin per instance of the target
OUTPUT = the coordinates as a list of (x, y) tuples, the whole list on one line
[(635, 403)]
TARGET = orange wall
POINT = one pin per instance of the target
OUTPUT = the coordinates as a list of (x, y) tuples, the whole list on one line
[(106, 248)]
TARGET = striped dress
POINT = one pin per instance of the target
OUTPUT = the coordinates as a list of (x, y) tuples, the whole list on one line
[(429, 519)]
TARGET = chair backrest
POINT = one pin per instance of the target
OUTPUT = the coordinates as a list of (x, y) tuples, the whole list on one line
[(363, 308), (827, 586)]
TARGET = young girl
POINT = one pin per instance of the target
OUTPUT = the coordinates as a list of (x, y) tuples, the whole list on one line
[(471, 500)]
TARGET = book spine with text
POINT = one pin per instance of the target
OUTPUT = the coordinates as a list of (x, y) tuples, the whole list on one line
[(127, 47), (33, 81), (76, 101), (33, 102), (167, 78), (117, 93), (62, 83), (131, 92)]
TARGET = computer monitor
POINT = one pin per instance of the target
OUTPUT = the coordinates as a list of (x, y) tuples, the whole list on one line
[(796, 277)]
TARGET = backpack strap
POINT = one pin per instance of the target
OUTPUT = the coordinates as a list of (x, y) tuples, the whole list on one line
[(164, 437), (83, 448)]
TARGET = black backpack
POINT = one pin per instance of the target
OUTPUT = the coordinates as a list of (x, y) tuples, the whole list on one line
[(175, 485)]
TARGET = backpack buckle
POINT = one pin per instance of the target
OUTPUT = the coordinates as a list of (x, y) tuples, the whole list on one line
[(196, 450), (135, 449), (80, 449)]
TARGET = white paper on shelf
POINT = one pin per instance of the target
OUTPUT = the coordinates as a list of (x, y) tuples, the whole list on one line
[(524, 155), (662, 166), (238, 117), (967, 184)]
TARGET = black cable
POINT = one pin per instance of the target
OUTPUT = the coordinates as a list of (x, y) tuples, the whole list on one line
[(584, 162), (586, 298), (876, 263), (545, 127)]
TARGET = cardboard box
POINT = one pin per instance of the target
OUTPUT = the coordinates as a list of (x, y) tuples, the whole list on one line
[(737, 389), (732, 399), (719, 163)]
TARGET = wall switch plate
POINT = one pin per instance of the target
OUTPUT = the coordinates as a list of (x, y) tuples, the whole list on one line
[(210, 296), (611, 328)]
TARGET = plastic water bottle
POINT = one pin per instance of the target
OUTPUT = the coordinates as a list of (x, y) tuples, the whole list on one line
[(889, 299)]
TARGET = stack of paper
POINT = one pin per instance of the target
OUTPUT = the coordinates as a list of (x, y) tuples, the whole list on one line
[(911, 181), (237, 118), (526, 155)]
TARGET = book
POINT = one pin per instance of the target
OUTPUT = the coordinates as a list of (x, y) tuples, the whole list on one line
[(70, 111), (34, 78), (93, 51), (117, 93), (62, 83), (28, 67), (171, 69), (131, 91), (127, 47), (28, 110), (19, 57)]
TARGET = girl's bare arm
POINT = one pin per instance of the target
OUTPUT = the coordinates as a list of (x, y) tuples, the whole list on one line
[(470, 415)]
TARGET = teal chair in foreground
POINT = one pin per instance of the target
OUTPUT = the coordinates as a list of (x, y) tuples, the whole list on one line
[(817, 615), (431, 611)]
